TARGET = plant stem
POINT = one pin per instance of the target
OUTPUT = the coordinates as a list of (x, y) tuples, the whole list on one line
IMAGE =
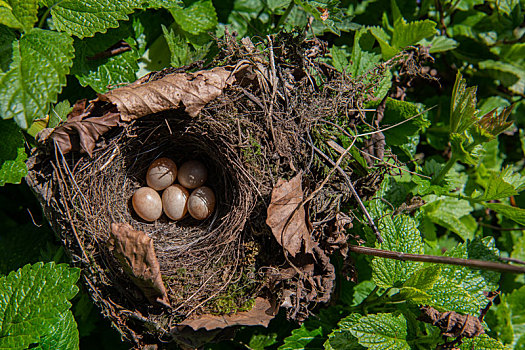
[(472, 263), (44, 16), (450, 163), (285, 15)]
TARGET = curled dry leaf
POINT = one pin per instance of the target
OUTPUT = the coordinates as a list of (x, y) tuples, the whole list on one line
[(135, 251), (260, 315), (193, 90), (451, 323), (287, 216), (85, 124)]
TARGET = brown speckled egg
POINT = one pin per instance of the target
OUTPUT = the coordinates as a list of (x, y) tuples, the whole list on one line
[(192, 174), (147, 204), (174, 200), (161, 173), (201, 203)]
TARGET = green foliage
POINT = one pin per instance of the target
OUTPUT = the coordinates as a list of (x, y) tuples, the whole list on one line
[(381, 331), (41, 59), (400, 234), (12, 154), (35, 307)]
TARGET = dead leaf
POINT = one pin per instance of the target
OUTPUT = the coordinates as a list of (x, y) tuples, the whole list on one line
[(82, 131), (260, 315), (287, 216), (85, 124), (135, 251), (451, 323), (193, 90)]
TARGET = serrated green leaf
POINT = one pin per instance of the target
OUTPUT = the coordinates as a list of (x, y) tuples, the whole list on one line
[(7, 37), (501, 184), (387, 50), (341, 338), (398, 111), (41, 60), (63, 336), (440, 43), (406, 34), (465, 151), (34, 298), (88, 17), (453, 214), (199, 17), (414, 294), (101, 74), (400, 234), (425, 278), (513, 213), (381, 331), (12, 153), (19, 14), (463, 110), (482, 342), (302, 338), (179, 48), (462, 289)]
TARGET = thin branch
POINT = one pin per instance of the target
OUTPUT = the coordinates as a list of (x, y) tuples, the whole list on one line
[(354, 192), (502, 228), (472, 263)]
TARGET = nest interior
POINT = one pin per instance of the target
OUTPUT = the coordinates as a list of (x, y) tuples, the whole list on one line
[(271, 124)]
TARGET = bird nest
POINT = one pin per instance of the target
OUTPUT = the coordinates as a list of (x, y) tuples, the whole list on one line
[(258, 121)]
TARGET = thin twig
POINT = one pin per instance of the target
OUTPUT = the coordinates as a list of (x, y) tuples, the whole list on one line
[(354, 192), (473, 263), (502, 228)]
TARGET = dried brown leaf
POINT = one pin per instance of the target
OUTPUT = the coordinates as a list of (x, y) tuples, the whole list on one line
[(451, 323), (135, 251), (86, 124), (85, 128), (287, 216), (260, 315), (193, 90)]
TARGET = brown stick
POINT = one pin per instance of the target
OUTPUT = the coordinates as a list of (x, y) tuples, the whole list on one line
[(476, 264)]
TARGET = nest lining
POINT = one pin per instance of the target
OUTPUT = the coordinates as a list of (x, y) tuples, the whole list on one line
[(198, 259)]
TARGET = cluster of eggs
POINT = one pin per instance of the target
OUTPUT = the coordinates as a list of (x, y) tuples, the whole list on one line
[(176, 200)]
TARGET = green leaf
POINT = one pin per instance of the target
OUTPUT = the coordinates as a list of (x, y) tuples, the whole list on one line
[(34, 299), (341, 338), (381, 331), (462, 289), (501, 184), (179, 48), (100, 74), (85, 18), (400, 234), (302, 338), (64, 334), (414, 294), (7, 37), (262, 341), (12, 153), (58, 113), (482, 342), (199, 17), (463, 110), (424, 278), (318, 9), (510, 75), (41, 60), (453, 214), (513, 213), (440, 43), (19, 14), (387, 50), (406, 34), (398, 111)]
